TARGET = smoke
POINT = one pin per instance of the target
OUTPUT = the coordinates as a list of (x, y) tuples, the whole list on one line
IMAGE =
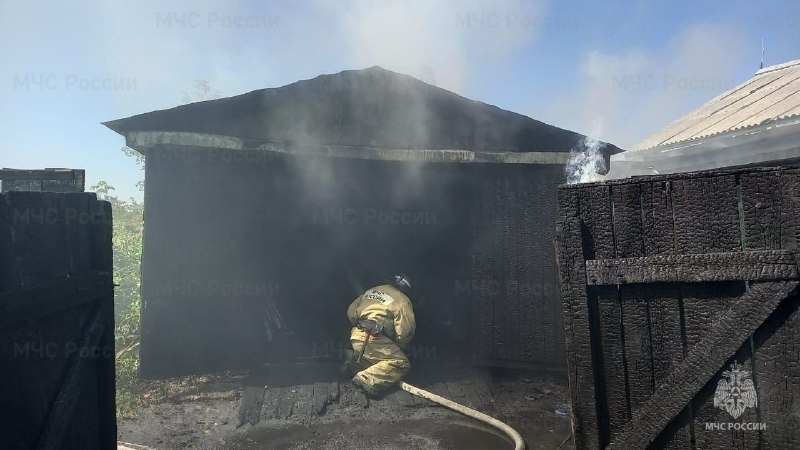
[(446, 42), (636, 91), (585, 160)]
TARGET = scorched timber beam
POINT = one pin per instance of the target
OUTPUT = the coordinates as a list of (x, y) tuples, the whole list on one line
[(760, 265)]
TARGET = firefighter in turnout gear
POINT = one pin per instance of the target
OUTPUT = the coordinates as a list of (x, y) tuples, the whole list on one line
[(383, 325)]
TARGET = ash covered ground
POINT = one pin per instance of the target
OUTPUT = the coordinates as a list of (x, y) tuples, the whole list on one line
[(294, 417)]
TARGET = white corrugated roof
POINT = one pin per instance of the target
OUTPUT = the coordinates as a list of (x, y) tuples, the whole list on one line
[(773, 93)]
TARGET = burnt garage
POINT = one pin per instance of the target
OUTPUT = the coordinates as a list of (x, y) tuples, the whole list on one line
[(267, 213)]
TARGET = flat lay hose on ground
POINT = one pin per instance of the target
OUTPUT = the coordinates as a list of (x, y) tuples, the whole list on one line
[(511, 433)]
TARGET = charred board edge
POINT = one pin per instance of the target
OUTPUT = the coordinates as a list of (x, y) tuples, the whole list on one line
[(37, 301), (580, 365), (42, 175), (678, 176), (762, 265), (60, 414), (250, 406), (743, 318)]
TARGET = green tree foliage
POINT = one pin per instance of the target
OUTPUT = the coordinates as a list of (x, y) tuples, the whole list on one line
[(127, 246)]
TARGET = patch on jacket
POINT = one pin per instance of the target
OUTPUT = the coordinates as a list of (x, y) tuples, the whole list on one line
[(379, 296)]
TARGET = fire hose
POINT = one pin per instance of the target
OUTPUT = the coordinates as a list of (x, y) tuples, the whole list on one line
[(511, 433), (371, 328)]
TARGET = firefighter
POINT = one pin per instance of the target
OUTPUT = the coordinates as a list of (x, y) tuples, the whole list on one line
[(383, 325)]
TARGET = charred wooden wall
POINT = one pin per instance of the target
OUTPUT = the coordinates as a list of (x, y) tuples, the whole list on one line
[(253, 257), (56, 322), (667, 281)]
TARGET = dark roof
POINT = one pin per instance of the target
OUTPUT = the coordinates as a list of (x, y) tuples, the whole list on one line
[(371, 107)]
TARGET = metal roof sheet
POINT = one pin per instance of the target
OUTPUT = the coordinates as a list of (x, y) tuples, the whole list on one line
[(773, 93)]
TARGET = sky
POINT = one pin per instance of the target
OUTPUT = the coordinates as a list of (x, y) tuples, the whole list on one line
[(615, 70)]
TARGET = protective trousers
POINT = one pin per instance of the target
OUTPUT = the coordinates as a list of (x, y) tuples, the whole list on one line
[(383, 363)]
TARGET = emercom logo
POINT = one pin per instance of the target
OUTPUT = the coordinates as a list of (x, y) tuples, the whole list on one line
[(735, 393)]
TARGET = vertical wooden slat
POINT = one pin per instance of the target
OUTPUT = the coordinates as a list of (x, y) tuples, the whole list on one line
[(105, 362), (629, 242), (664, 302), (707, 220), (483, 264), (500, 300), (6, 245), (770, 204), (659, 323), (551, 295), (613, 391), (595, 205), (591, 211), (580, 359), (668, 349)]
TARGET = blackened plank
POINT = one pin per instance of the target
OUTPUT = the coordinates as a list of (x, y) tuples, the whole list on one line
[(272, 399), (483, 269), (667, 343), (48, 174), (704, 304), (590, 225), (767, 207), (706, 212), (580, 357), (704, 361), (613, 389), (325, 393), (664, 302), (616, 306), (285, 404), (760, 265), (36, 301), (544, 257), (634, 320), (304, 406), (39, 242), (7, 257), (500, 341), (594, 209), (628, 224), (101, 258), (250, 406), (77, 234), (777, 377), (638, 352), (536, 341), (58, 418), (657, 218), (770, 210)]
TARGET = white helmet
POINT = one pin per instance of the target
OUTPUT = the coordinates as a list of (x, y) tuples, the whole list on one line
[(402, 281)]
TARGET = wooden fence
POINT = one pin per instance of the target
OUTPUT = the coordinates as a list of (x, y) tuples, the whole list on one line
[(680, 310), (56, 322)]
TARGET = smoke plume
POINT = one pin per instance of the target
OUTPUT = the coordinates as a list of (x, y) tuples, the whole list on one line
[(585, 160)]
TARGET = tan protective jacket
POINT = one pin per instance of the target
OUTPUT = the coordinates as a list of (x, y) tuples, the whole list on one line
[(387, 305)]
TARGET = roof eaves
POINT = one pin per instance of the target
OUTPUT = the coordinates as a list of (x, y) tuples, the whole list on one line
[(784, 120), (778, 67)]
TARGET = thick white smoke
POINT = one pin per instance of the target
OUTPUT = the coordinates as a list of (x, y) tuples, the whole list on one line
[(585, 159)]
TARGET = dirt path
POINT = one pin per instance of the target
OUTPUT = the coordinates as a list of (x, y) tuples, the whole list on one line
[(289, 419)]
